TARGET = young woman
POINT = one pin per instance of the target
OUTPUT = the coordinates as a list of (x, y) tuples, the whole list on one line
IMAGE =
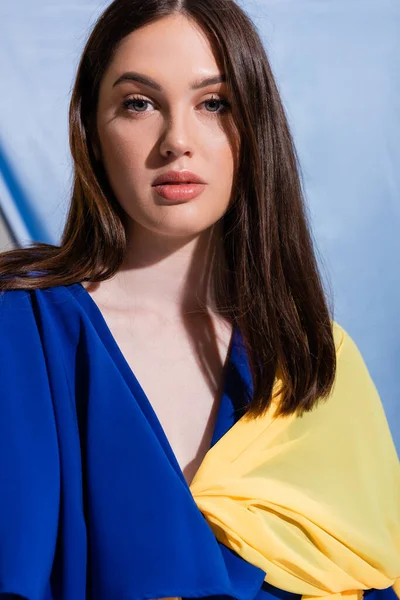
[(180, 415)]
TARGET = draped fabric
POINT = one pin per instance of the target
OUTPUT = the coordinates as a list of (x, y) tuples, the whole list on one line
[(93, 503), (314, 501)]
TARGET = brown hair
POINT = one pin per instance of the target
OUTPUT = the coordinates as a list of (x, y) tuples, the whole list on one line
[(274, 292)]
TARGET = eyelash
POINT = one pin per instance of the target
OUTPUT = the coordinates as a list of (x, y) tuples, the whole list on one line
[(226, 105)]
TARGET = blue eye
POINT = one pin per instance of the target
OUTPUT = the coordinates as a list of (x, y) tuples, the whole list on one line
[(130, 101), (224, 103)]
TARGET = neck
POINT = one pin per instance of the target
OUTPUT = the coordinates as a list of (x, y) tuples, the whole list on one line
[(169, 276)]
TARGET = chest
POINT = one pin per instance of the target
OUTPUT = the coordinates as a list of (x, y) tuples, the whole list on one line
[(181, 369)]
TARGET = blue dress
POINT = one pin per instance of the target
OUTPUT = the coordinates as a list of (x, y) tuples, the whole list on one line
[(93, 503)]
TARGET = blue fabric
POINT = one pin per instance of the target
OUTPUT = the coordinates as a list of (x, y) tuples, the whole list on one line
[(93, 503)]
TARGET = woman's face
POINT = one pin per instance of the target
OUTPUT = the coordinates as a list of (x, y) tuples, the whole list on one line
[(144, 132)]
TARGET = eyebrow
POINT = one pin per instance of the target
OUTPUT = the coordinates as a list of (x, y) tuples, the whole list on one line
[(195, 85)]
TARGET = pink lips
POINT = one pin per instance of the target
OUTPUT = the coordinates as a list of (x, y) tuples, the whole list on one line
[(179, 191), (183, 176), (178, 185)]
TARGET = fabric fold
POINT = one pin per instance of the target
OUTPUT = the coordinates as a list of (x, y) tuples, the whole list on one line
[(93, 503), (313, 501), (76, 429), (29, 456)]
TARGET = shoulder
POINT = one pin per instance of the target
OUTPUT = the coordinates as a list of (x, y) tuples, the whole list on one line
[(342, 338), (53, 312), (352, 415), (348, 355), (13, 302), (354, 391)]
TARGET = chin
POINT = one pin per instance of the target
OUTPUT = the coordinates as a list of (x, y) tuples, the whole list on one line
[(180, 230), (180, 220)]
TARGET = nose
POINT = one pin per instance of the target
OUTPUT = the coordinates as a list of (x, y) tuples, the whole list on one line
[(176, 139)]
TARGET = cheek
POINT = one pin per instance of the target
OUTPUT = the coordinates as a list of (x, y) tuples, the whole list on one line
[(120, 152), (223, 150), (126, 155), (223, 167)]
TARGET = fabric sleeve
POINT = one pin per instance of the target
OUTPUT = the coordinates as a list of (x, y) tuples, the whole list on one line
[(29, 461)]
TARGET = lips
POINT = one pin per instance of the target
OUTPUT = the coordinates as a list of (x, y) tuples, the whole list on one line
[(177, 177), (179, 192)]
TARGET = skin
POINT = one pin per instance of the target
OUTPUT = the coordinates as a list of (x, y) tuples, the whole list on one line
[(175, 129), (158, 306)]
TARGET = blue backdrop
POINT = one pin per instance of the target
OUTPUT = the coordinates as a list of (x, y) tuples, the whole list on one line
[(337, 64)]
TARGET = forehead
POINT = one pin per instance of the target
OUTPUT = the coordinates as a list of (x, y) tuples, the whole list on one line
[(172, 48)]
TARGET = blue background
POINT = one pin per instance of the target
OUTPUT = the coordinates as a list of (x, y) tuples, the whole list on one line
[(337, 64)]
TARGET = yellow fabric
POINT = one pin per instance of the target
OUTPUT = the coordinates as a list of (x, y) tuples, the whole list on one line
[(313, 501)]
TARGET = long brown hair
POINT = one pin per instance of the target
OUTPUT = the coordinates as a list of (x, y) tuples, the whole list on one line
[(275, 293)]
